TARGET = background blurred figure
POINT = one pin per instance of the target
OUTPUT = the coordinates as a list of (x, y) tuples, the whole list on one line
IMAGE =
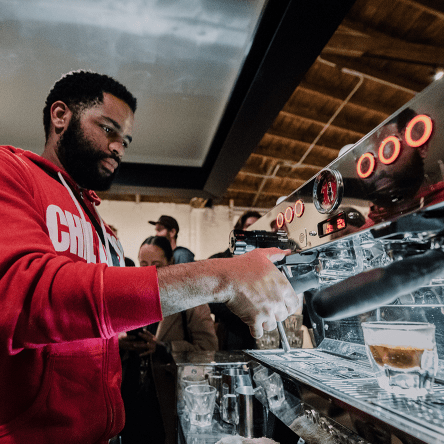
[(233, 334), (168, 227), (148, 387), (129, 262), (247, 219)]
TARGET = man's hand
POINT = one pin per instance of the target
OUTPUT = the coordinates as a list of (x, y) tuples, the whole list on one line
[(250, 284), (261, 294)]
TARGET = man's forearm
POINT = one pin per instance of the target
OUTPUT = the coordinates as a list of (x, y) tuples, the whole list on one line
[(184, 286)]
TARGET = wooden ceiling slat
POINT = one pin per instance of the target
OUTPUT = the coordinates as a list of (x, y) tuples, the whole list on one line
[(434, 7), (382, 74), (374, 105), (303, 169), (275, 144), (321, 123), (396, 49)]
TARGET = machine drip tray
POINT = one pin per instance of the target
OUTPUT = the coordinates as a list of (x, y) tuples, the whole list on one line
[(349, 381)]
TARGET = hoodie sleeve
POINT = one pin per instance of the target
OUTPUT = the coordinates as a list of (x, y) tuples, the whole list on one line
[(48, 296)]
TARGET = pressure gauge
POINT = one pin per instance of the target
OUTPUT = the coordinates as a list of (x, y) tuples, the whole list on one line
[(327, 191)]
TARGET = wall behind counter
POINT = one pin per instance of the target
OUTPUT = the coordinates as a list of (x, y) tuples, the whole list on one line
[(205, 231)]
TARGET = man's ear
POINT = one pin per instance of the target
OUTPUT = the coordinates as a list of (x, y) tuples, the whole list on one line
[(60, 116), (173, 232)]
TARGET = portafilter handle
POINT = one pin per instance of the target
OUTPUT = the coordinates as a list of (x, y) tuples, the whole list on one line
[(371, 289)]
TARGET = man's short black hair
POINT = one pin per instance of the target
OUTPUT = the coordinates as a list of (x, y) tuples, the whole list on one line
[(83, 89)]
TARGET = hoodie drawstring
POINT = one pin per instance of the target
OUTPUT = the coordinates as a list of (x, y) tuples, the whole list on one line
[(89, 250)]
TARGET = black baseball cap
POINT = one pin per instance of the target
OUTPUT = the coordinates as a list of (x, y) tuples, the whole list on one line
[(167, 221)]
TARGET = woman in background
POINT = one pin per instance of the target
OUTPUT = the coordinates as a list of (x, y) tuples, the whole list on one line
[(147, 363)]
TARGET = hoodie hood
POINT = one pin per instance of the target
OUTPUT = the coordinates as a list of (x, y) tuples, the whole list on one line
[(53, 170)]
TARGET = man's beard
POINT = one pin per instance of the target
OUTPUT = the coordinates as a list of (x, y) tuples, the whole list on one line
[(80, 157)]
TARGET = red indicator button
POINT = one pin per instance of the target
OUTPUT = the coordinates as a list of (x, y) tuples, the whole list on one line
[(299, 208), (366, 165), (289, 214), (280, 220), (389, 150), (424, 127)]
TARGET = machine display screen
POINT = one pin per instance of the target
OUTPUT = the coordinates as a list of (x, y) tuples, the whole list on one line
[(332, 225)]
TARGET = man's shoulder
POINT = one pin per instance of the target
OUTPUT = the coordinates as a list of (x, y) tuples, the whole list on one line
[(14, 159), (19, 156), (9, 152), (183, 255)]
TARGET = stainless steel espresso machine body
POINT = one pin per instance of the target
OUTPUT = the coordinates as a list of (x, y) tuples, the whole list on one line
[(367, 235)]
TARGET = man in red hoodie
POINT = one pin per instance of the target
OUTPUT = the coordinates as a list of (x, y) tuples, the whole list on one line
[(64, 296)]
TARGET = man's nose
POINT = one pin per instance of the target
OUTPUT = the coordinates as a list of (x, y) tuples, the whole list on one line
[(117, 149)]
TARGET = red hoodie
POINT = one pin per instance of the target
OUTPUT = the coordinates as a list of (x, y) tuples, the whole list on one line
[(62, 306)]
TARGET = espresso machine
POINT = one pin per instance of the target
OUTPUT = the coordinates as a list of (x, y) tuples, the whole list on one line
[(367, 241)]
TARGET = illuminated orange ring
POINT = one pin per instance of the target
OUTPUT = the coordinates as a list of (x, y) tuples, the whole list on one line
[(371, 168), (299, 208), (289, 214), (280, 220), (396, 151), (428, 127)]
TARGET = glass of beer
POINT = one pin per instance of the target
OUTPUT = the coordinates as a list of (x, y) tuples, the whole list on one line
[(403, 356)]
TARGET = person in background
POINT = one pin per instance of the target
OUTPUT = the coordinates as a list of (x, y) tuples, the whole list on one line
[(129, 262), (168, 227), (247, 219), (65, 292), (148, 386), (231, 331)]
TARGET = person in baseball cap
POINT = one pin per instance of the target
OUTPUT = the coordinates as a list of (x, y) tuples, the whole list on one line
[(167, 222), (168, 227)]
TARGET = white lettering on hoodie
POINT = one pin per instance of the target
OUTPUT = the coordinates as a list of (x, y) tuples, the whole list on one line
[(68, 232)]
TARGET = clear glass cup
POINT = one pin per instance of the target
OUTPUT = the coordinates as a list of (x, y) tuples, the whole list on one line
[(273, 386), (194, 379), (186, 381), (403, 356), (200, 401)]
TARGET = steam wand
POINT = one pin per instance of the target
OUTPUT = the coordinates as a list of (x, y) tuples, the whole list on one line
[(284, 340)]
